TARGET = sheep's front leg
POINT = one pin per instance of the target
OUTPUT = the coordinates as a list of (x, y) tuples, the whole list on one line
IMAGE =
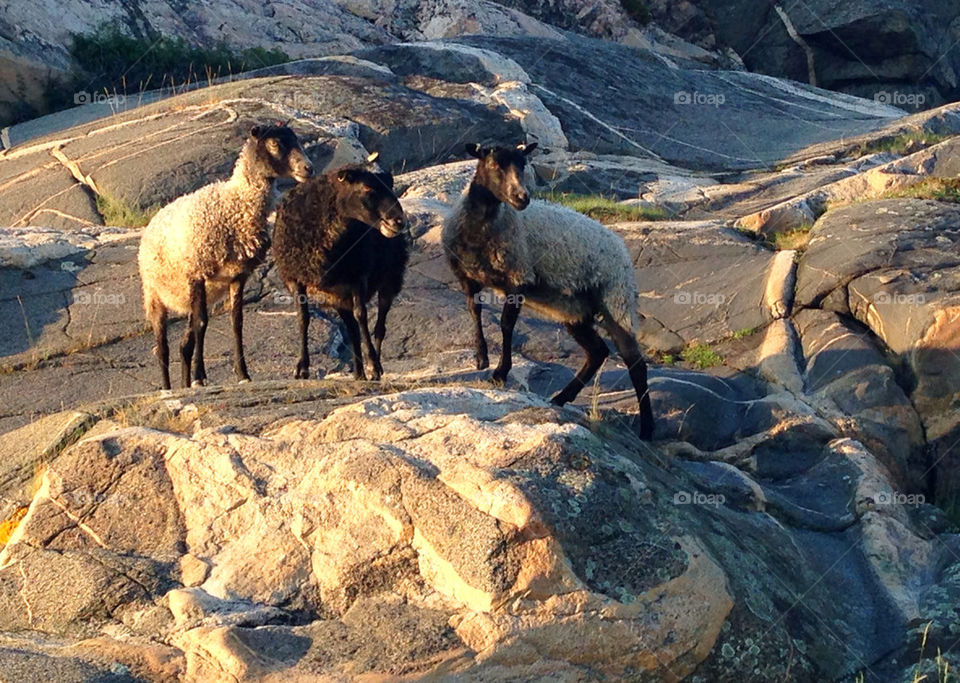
[(597, 352), (236, 309), (472, 288), (360, 312), (198, 324), (508, 319), (384, 302), (303, 318), (353, 333)]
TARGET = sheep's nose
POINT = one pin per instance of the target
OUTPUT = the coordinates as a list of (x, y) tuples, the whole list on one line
[(522, 198), (308, 170)]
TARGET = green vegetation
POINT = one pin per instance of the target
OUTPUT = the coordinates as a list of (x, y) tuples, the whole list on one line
[(798, 238), (605, 209), (701, 356), (637, 10), (111, 65), (907, 143), (120, 214), (745, 332), (940, 189)]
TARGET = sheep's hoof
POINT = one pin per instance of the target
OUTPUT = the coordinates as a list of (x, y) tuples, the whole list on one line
[(498, 378), (482, 363), (558, 400), (197, 383), (245, 380)]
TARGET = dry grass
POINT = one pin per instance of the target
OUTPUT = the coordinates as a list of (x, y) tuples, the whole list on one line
[(939, 189)]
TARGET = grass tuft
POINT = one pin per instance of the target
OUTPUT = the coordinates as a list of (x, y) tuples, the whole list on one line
[(940, 189), (907, 143), (701, 356), (118, 213), (605, 209), (798, 238)]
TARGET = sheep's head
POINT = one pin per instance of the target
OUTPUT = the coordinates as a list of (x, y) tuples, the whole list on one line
[(368, 197), (501, 172), (278, 153)]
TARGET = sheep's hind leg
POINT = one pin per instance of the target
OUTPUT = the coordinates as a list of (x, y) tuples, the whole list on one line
[(597, 352), (236, 309), (360, 313), (472, 288), (630, 352), (508, 320), (303, 318), (198, 329), (157, 313), (353, 333)]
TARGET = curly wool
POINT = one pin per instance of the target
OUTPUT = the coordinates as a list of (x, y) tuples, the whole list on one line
[(213, 234), (330, 253), (567, 266)]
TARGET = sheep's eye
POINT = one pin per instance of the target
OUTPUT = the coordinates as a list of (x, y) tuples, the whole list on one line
[(273, 147)]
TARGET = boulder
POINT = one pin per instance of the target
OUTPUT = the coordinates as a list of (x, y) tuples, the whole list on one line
[(455, 531), (893, 266)]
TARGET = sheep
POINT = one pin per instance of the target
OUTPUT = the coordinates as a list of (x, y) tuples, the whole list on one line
[(205, 244), (326, 249), (566, 267)]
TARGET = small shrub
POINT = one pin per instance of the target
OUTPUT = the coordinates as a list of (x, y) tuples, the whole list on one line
[(110, 64), (745, 332), (636, 10), (605, 209), (701, 356)]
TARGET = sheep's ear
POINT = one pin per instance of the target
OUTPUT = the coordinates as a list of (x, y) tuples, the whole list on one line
[(387, 179), (474, 150), (373, 157), (344, 174), (527, 149), (256, 131)]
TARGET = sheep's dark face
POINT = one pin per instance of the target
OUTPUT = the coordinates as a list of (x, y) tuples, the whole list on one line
[(279, 152), (501, 171), (369, 197)]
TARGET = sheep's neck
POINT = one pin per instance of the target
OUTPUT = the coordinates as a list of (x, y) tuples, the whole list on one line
[(255, 188), (481, 202)]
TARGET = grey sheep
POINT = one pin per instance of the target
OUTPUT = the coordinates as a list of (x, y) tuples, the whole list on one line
[(565, 266), (205, 244)]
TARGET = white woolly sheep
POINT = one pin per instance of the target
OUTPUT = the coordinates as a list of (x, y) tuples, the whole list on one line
[(565, 266), (206, 243), (339, 240)]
